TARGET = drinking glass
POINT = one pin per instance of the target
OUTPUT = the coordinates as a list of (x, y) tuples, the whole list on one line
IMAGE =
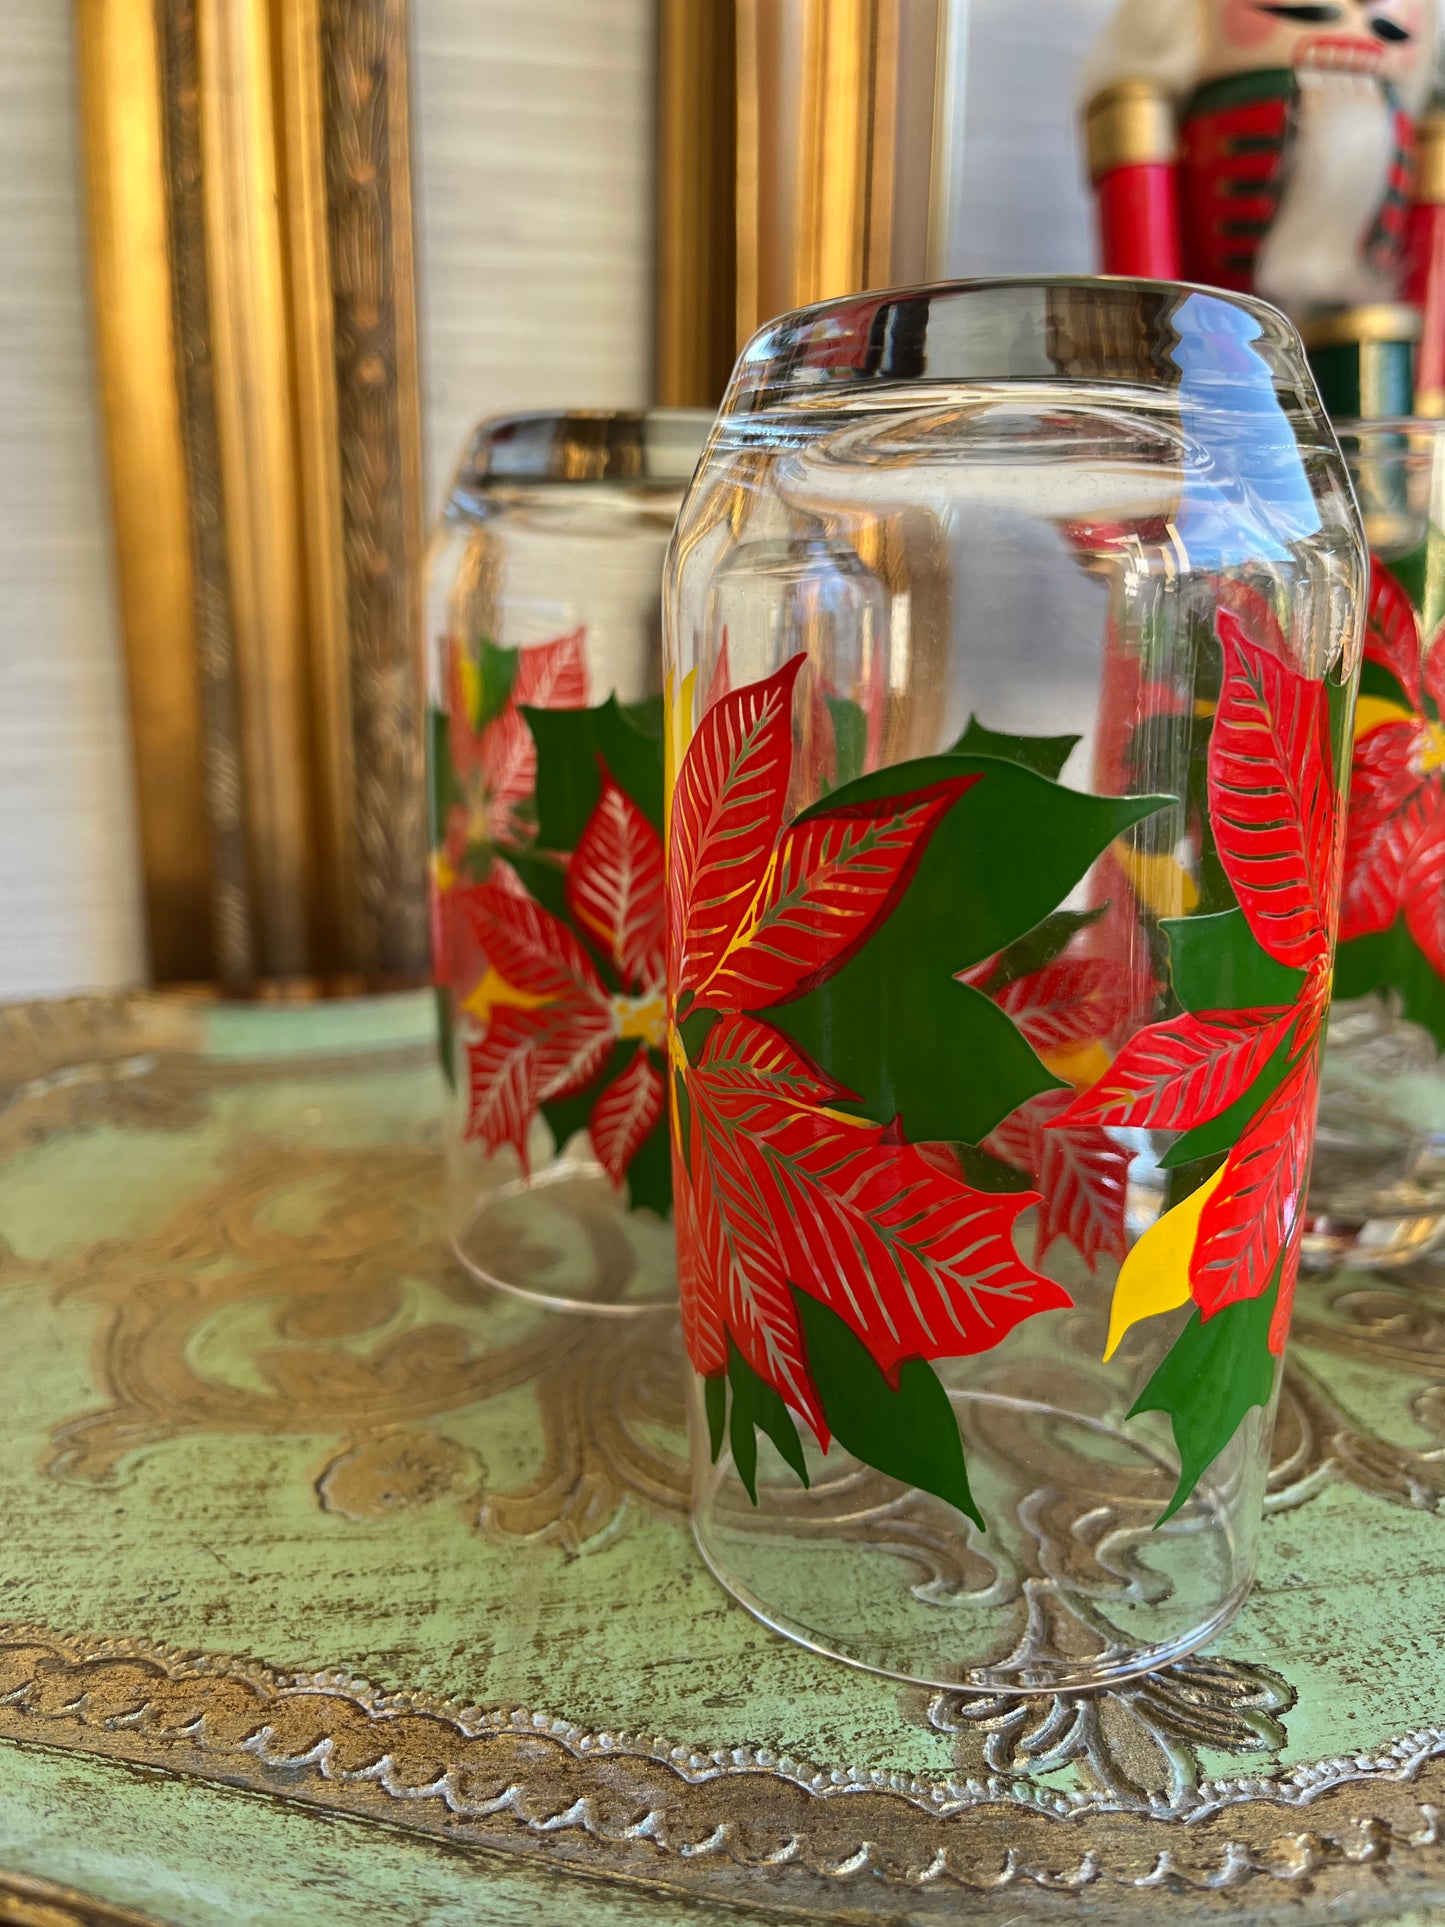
[(546, 763), (1011, 639), (1377, 1195)]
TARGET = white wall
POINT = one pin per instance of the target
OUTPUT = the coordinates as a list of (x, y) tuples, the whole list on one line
[(533, 134), (70, 912), (1018, 203)]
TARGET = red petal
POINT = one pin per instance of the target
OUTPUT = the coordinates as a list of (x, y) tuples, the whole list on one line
[(1081, 1174), (1182, 1073), (1392, 632), (626, 1114), (738, 1235), (726, 814), (502, 1080), (722, 679), (832, 880), (918, 1263), (1074, 1000), (1271, 798), (534, 951), (1258, 1206), (1425, 890), (703, 1331), (1390, 810), (440, 907), (525, 1057), (509, 771), (552, 675), (614, 885)]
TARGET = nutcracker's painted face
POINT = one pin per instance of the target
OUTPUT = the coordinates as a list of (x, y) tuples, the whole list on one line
[(1388, 38)]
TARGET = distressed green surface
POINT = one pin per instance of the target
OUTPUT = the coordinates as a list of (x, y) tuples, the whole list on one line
[(194, 1855), (218, 1542)]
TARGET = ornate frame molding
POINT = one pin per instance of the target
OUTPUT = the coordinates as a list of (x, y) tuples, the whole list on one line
[(249, 178), (637, 1806)]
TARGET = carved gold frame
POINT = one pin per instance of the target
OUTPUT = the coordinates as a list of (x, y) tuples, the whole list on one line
[(249, 185), (802, 154)]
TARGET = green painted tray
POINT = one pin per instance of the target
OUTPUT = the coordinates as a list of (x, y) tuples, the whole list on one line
[(333, 1588)]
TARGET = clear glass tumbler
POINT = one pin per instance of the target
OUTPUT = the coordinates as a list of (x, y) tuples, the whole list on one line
[(1377, 1195), (546, 768), (1012, 633)]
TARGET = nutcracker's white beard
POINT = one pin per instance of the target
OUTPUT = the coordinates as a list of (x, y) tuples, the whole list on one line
[(1337, 167)]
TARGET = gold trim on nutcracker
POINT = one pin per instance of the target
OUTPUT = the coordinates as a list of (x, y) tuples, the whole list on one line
[(1129, 125), (1383, 321), (1429, 188)]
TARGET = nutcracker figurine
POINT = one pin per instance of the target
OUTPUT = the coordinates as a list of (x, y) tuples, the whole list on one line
[(1264, 146)]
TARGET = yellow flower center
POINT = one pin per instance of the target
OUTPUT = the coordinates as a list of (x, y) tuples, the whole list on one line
[(1430, 750), (644, 1018)]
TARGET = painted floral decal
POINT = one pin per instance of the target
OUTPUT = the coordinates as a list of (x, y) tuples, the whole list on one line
[(1395, 838), (1069, 1010), (550, 909), (902, 1075), (829, 1248), (1236, 1070)]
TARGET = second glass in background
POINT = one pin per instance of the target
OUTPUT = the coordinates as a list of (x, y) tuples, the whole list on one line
[(546, 762), (1377, 1194)]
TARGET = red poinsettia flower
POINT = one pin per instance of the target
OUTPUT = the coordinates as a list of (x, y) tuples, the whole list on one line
[(778, 1189), (1395, 834), (496, 765), (1273, 813), (1068, 1010), (550, 1022)]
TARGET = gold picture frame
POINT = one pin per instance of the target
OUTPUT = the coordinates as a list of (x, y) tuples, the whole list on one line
[(248, 173)]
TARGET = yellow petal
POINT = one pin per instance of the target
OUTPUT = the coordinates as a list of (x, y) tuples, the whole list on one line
[(493, 991), (471, 678), (1161, 883), (1371, 711), (1080, 1064), (677, 707), (1155, 1275)]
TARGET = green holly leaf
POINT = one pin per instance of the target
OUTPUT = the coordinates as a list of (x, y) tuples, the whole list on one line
[(569, 742), (1376, 680), (1215, 1372), (446, 1043), (1392, 960), (648, 718), (1044, 754), (1042, 944), (547, 881), (1215, 963), (649, 1176), (715, 1398), (758, 1408), (496, 673), (908, 1430), (443, 789), (985, 1172), (850, 738), (933, 1052), (894, 1026)]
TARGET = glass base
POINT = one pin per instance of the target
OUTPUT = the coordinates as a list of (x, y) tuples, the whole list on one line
[(1377, 1188), (565, 1239), (1072, 1588)]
